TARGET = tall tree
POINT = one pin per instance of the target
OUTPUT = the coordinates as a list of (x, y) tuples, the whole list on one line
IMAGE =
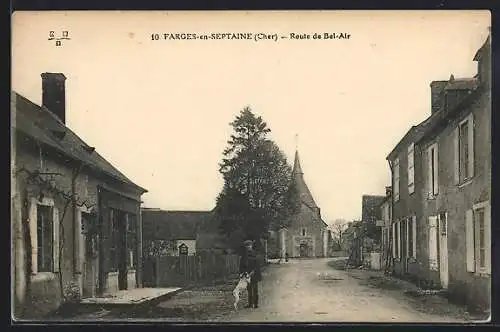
[(257, 193)]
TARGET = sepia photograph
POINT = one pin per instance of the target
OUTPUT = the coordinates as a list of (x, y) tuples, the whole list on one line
[(251, 166)]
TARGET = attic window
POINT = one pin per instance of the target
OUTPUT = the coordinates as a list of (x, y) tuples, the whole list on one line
[(87, 148), (60, 134)]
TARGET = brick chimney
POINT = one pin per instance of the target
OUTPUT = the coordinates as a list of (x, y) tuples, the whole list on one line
[(54, 94), (437, 99)]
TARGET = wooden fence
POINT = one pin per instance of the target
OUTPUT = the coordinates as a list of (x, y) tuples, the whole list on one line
[(172, 271)]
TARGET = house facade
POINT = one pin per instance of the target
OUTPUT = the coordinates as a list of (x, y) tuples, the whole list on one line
[(76, 224), (307, 234), (457, 193), (406, 213), (442, 227)]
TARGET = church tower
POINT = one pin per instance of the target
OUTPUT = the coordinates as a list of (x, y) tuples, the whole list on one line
[(307, 234)]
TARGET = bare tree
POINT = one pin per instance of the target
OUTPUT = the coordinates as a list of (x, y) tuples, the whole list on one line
[(338, 228)]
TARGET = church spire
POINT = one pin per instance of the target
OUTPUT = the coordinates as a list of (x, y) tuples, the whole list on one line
[(296, 164)]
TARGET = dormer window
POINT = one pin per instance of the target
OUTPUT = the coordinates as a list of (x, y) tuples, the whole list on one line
[(87, 148)]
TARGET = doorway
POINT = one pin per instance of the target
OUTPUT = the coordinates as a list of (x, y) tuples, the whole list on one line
[(404, 244), (303, 250), (91, 255), (120, 227), (443, 249)]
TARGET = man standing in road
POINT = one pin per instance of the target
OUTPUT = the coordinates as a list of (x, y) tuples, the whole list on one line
[(250, 262)]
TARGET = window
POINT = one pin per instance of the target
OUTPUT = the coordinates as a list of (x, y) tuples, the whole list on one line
[(432, 170), (409, 237), (396, 179), (303, 232), (464, 150), (45, 239), (132, 241), (44, 231), (443, 223), (396, 243), (479, 221), (393, 234), (478, 239), (411, 169), (414, 236), (433, 244)]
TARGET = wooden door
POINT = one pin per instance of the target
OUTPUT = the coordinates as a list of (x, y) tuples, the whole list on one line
[(91, 254), (303, 250), (122, 249)]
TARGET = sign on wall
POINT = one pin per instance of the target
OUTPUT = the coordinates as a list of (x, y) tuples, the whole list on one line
[(183, 249)]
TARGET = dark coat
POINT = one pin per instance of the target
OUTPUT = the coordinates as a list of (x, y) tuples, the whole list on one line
[(250, 262)]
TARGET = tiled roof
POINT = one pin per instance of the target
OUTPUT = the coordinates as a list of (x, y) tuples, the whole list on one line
[(301, 186), (171, 225), (413, 134), (40, 124)]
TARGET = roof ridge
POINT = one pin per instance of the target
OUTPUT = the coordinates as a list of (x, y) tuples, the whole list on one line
[(74, 154)]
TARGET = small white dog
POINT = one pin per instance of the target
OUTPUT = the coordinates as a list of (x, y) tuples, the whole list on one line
[(241, 286)]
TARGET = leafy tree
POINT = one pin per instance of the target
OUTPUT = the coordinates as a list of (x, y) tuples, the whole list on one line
[(257, 193)]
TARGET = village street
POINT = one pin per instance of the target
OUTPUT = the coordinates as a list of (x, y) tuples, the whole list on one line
[(312, 291), (309, 290)]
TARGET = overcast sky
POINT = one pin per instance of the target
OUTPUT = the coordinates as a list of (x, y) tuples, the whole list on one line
[(160, 110)]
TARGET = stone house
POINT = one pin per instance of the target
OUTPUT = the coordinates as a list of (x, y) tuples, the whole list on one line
[(456, 198), (441, 177), (307, 234), (75, 218), (407, 180), (177, 229)]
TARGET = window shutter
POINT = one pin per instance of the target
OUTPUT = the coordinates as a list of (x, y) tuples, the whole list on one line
[(469, 241), (471, 145), (33, 235), (436, 170), (55, 229), (414, 233), (433, 243), (429, 172), (106, 231), (487, 235), (456, 155), (394, 240)]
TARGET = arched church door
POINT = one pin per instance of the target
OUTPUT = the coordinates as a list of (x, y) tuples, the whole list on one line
[(303, 250)]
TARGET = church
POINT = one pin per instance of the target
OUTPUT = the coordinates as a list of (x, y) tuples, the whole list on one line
[(307, 234)]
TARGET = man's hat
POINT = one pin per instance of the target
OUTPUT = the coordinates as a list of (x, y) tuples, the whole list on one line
[(248, 242)]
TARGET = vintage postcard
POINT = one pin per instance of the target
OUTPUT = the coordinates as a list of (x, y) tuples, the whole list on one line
[(270, 167)]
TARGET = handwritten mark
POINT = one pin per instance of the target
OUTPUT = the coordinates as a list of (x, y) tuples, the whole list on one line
[(64, 35)]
